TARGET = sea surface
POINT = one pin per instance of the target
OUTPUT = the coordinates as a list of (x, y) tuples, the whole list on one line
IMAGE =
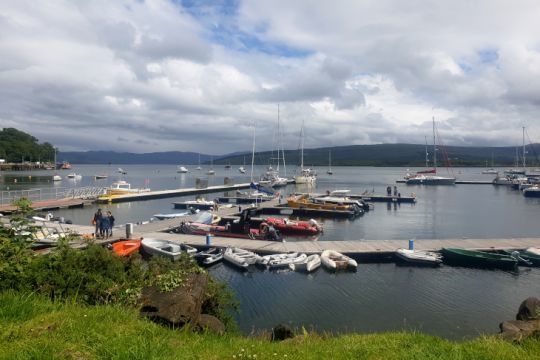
[(452, 302)]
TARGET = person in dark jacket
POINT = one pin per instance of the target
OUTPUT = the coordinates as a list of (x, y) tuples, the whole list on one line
[(104, 229), (98, 216), (111, 222)]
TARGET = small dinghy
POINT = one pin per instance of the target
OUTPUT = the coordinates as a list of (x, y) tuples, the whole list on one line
[(311, 263), (171, 216), (282, 260), (210, 257), (336, 261), (416, 257), (240, 257), (126, 247), (166, 248)]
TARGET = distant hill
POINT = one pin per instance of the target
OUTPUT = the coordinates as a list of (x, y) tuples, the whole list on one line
[(105, 157), (394, 155), (352, 155), (17, 146)]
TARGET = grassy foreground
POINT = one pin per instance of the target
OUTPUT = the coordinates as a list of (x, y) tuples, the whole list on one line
[(34, 327)]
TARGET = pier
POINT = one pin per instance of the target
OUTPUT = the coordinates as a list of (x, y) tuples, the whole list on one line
[(47, 205), (460, 182)]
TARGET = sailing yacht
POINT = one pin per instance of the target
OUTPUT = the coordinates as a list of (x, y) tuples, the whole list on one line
[(271, 176), (490, 170), (199, 164), (516, 170), (428, 178), (242, 169), (329, 171), (211, 170), (56, 177), (307, 175)]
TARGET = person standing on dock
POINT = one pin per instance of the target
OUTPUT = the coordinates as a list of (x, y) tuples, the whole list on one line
[(389, 190), (98, 216), (105, 225), (111, 221), (395, 190)]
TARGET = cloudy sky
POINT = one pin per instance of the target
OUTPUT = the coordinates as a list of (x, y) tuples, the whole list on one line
[(190, 75)]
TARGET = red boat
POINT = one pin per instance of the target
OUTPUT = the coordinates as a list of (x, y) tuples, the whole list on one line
[(126, 247), (262, 233), (287, 226)]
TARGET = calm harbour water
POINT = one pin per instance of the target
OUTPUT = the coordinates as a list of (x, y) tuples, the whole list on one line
[(450, 301)]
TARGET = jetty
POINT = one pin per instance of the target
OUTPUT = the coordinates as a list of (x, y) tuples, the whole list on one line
[(48, 205), (461, 182)]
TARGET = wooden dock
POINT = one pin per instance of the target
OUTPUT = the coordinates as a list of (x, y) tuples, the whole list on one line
[(47, 205), (371, 197), (160, 194)]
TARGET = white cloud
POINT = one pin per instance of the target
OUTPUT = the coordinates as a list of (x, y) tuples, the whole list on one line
[(163, 77)]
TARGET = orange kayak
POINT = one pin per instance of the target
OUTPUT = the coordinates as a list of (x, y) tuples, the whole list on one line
[(126, 247)]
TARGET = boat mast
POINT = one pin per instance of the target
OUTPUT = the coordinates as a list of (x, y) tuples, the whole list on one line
[(434, 146), (302, 146), (330, 160), (253, 152), (427, 154), (277, 142), (523, 147)]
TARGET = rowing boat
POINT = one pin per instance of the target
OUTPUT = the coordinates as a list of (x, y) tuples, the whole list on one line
[(473, 258)]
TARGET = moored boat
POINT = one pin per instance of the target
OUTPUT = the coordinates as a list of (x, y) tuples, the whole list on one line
[(533, 251), (101, 176), (126, 247), (334, 260), (303, 201), (165, 248), (532, 191), (182, 170), (416, 257), (171, 216), (473, 258), (311, 263), (210, 257), (281, 260), (200, 204), (240, 257), (122, 188), (56, 178), (286, 226)]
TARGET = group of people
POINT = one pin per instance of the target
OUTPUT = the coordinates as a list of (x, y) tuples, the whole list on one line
[(389, 191), (104, 224)]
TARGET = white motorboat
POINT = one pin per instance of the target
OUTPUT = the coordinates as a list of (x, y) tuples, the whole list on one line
[(242, 170), (171, 216), (74, 176), (122, 187), (56, 178), (210, 256), (311, 263), (490, 171), (334, 260), (502, 180), (101, 176), (200, 204), (240, 257), (417, 257), (182, 170), (282, 260)]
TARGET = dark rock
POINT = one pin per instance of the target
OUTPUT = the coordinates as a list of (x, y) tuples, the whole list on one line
[(518, 330), (211, 323), (529, 309), (177, 307), (282, 332)]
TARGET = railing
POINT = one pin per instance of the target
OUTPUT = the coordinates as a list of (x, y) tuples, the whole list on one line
[(90, 192)]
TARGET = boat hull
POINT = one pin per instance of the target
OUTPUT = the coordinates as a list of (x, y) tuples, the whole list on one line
[(478, 259), (430, 181), (127, 247), (406, 257)]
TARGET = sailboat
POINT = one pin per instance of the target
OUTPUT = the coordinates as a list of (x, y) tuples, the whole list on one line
[(307, 176), (56, 177), (211, 170), (242, 169), (490, 170), (428, 178), (329, 171), (199, 164), (516, 170), (271, 176)]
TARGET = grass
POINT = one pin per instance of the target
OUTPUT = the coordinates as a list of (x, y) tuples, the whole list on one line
[(32, 327)]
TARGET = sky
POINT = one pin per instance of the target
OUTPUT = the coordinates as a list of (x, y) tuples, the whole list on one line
[(158, 75)]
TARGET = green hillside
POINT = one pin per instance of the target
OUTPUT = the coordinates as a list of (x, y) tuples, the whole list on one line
[(18, 146)]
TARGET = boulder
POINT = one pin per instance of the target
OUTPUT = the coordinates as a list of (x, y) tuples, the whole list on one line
[(211, 323), (518, 330), (177, 307), (529, 309), (282, 332)]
